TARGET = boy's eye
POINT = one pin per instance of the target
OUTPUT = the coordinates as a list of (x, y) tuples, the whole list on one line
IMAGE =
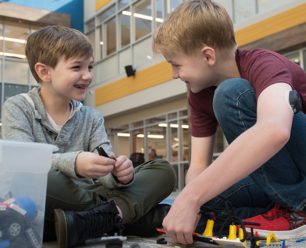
[(90, 67), (76, 67)]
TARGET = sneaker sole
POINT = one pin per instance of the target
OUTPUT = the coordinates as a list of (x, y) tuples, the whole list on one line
[(60, 228), (297, 233)]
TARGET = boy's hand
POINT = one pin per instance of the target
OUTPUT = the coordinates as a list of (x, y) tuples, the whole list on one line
[(91, 165), (181, 221), (123, 170)]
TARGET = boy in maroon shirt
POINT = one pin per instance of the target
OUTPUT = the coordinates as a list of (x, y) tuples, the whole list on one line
[(246, 93)]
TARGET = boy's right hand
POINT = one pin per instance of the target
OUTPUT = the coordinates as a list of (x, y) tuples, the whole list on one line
[(91, 165)]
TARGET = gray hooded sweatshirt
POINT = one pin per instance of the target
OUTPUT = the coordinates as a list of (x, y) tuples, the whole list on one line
[(24, 118)]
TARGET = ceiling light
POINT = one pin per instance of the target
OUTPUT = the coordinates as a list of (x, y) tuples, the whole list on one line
[(174, 125), (185, 126), (151, 136), (13, 40), (13, 55), (162, 124), (146, 17), (149, 57), (123, 134), (296, 60), (101, 42)]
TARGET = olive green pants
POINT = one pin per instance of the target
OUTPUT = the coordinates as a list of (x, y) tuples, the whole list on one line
[(154, 181)]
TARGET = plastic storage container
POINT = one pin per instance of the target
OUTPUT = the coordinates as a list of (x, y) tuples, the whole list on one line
[(23, 180)]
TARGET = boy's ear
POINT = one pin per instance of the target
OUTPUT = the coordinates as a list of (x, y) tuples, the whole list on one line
[(42, 71), (209, 55)]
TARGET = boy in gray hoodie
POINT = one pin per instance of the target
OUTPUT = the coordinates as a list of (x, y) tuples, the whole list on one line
[(87, 194)]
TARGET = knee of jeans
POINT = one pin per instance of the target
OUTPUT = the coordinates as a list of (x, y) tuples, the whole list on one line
[(228, 93)]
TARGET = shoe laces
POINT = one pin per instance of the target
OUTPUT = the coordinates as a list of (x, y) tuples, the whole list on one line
[(274, 212), (102, 220)]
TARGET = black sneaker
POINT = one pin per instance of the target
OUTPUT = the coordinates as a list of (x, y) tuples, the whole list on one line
[(74, 228), (147, 225)]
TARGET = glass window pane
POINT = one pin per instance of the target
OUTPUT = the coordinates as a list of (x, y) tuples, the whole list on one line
[(183, 113), (125, 26), (106, 69), (138, 141), (157, 119), (120, 128), (185, 134), (111, 36), (159, 12), (143, 18), (124, 144), (123, 3), (219, 141), (1, 38), (0, 69), (15, 71), (304, 59), (107, 13), (91, 36), (12, 90), (264, 5), (142, 52), (174, 142), (137, 124), (186, 167), (243, 10), (15, 36), (90, 25), (171, 5), (124, 59), (294, 57), (157, 142), (176, 189), (100, 45), (172, 115)]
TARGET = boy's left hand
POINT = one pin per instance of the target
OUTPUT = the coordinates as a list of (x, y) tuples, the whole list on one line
[(123, 170)]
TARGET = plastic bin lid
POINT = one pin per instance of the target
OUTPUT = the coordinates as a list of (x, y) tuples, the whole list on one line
[(28, 144)]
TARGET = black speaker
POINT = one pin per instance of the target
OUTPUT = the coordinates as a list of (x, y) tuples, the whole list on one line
[(129, 70)]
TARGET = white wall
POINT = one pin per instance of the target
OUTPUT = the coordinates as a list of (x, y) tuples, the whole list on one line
[(89, 9)]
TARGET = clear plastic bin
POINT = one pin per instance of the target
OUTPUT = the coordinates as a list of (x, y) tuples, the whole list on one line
[(24, 168)]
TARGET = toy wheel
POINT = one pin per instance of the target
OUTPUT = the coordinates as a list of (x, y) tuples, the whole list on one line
[(14, 229)]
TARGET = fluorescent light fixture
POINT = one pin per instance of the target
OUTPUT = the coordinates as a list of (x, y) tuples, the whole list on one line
[(172, 125), (146, 17), (13, 55), (123, 134), (151, 136), (149, 57), (0, 124), (176, 139), (13, 40), (101, 42), (296, 60)]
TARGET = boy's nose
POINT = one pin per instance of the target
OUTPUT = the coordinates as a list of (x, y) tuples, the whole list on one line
[(87, 76), (175, 75)]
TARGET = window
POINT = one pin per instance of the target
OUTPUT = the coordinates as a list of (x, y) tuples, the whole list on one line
[(143, 18), (244, 9), (125, 29), (163, 136)]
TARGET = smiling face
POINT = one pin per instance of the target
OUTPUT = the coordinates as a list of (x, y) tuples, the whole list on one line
[(196, 71), (70, 78)]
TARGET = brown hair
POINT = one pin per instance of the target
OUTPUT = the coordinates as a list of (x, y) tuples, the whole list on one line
[(50, 43), (193, 25)]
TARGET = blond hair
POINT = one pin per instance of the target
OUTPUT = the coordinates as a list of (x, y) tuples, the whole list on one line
[(50, 43), (193, 25)]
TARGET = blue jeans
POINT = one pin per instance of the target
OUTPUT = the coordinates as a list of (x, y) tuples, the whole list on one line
[(281, 179)]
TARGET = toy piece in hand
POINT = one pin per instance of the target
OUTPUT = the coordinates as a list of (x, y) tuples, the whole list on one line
[(103, 153)]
